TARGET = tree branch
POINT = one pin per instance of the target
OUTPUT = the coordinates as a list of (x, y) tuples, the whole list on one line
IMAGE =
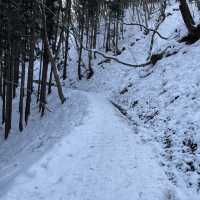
[(146, 28), (116, 59)]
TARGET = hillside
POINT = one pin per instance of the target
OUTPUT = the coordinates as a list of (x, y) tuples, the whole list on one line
[(126, 133)]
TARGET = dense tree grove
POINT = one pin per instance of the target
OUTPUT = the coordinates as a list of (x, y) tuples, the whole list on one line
[(41, 30)]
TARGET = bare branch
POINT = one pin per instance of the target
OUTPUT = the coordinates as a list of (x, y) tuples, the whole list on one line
[(117, 60), (146, 28)]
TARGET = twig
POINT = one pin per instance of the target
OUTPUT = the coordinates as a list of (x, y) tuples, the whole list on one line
[(146, 28)]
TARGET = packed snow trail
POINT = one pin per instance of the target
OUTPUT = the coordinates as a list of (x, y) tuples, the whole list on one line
[(102, 159)]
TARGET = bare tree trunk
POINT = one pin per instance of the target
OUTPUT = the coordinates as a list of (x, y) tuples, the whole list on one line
[(187, 17), (52, 61), (193, 31)]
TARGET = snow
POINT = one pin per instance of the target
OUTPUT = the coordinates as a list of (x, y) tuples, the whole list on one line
[(86, 149), (161, 101), (22, 150), (102, 159)]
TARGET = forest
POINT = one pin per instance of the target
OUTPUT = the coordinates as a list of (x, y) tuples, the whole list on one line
[(83, 66), (27, 35)]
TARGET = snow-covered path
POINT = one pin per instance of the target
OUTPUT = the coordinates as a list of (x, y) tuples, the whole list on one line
[(100, 160)]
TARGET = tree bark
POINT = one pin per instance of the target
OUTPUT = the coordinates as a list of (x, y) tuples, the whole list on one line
[(193, 30), (187, 17)]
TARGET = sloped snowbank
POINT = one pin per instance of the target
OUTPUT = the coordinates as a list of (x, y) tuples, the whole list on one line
[(163, 102)]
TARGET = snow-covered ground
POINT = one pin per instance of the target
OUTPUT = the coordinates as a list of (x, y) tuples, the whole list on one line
[(101, 159), (87, 149), (161, 101)]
